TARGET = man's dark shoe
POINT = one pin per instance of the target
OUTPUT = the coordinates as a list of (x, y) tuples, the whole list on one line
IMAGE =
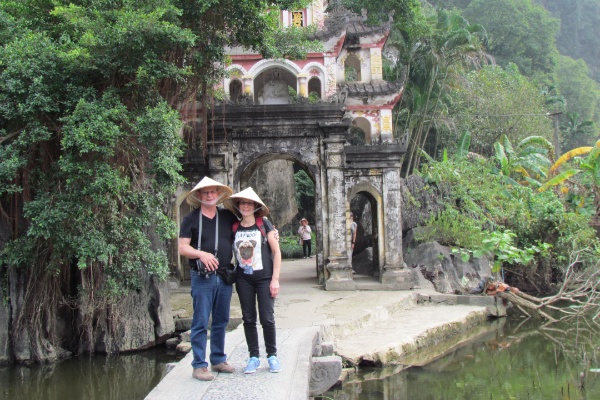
[(223, 367), (202, 374)]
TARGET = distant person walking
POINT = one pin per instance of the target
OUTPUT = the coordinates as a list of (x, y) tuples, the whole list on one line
[(304, 232), (256, 250)]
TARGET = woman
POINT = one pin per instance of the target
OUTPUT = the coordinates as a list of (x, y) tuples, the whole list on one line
[(258, 257), (304, 232)]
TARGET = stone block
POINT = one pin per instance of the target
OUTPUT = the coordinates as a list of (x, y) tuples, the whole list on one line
[(184, 347), (326, 349), (340, 285), (172, 343), (325, 372), (183, 324), (447, 299), (185, 336)]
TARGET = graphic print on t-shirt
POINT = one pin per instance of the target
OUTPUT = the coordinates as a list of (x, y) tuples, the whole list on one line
[(248, 251)]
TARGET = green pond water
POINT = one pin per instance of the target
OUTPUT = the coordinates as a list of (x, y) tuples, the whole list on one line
[(515, 359), (122, 377)]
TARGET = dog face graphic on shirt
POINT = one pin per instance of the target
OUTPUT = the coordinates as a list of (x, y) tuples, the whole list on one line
[(246, 251)]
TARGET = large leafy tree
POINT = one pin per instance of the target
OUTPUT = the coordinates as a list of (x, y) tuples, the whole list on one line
[(519, 31), (493, 102), (89, 143), (579, 35), (582, 93)]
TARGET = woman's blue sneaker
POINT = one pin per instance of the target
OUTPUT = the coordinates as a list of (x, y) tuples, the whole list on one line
[(252, 366), (274, 365)]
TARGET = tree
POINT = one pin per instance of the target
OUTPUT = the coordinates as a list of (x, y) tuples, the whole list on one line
[(588, 167), (526, 163), (577, 133), (581, 92), (492, 102), (579, 36), (519, 32), (89, 146), (437, 60)]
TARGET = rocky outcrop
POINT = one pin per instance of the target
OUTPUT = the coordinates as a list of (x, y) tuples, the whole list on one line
[(419, 202), (435, 265), (274, 183), (144, 319), (51, 325)]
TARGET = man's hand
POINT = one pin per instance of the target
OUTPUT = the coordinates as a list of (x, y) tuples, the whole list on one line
[(209, 260)]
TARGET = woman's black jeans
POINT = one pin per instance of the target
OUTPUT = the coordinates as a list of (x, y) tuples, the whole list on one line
[(306, 246), (249, 290)]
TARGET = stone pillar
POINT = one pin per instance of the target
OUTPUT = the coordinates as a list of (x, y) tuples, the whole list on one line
[(395, 273), (386, 128), (302, 85), (337, 264), (219, 162)]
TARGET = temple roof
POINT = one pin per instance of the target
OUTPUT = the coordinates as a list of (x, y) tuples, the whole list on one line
[(341, 20), (378, 88)]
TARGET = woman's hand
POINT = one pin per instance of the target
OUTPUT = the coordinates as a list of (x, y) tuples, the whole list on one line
[(274, 287)]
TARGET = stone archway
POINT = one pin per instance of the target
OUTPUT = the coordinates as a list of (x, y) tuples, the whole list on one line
[(316, 137)]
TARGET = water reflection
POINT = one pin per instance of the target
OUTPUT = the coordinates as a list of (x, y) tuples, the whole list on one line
[(127, 376), (519, 360)]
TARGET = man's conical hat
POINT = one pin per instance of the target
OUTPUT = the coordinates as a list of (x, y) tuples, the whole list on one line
[(193, 197)]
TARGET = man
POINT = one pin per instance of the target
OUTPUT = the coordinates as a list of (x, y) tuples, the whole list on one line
[(210, 294)]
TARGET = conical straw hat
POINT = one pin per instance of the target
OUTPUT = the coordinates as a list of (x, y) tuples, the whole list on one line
[(193, 198), (246, 194)]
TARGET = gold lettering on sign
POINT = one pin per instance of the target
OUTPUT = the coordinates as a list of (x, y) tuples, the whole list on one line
[(376, 66), (386, 123), (298, 18)]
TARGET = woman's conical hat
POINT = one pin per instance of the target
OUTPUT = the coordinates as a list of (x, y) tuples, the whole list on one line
[(246, 194)]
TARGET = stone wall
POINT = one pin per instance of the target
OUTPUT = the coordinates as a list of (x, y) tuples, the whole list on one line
[(274, 184)]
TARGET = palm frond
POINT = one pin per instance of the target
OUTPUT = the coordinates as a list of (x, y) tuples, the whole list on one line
[(569, 155), (558, 179)]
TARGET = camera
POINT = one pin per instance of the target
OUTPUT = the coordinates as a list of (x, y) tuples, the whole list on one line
[(201, 268)]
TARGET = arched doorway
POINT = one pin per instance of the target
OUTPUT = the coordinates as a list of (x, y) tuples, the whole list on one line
[(273, 86), (314, 87), (288, 187), (360, 132), (365, 256), (236, 90), (352, 71)]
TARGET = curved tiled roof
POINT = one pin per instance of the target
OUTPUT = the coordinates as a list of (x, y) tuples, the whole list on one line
[(359, 89)]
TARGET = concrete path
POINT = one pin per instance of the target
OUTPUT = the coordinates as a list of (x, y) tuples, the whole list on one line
[(363, 325)]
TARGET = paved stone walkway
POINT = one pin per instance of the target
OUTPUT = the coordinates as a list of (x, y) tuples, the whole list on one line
[(362, 324)]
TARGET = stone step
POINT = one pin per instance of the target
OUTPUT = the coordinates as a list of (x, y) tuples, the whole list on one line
[(388, 338), (354, 314)]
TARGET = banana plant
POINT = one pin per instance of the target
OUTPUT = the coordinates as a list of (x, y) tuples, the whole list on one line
[(587, 162), (525, 164)]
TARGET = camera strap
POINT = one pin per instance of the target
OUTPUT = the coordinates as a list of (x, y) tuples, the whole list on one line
[(216, 232)]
